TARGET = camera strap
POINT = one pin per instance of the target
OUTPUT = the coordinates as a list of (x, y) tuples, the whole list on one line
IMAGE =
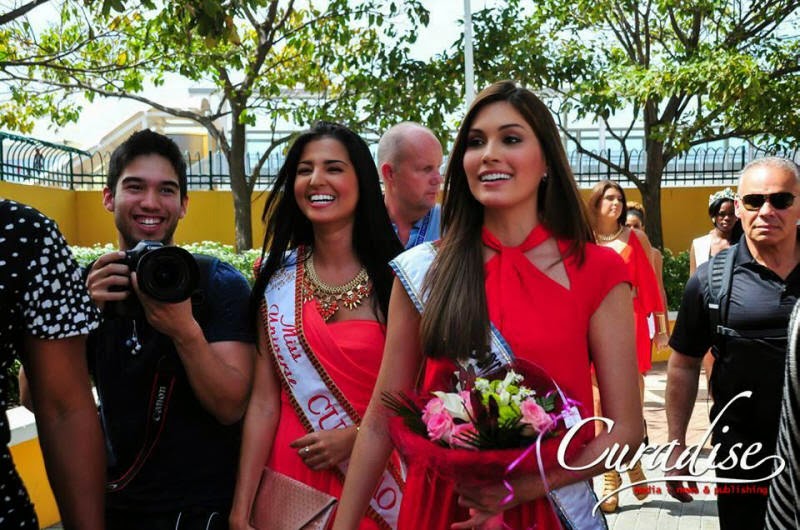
[(163, 383), (164, 379)]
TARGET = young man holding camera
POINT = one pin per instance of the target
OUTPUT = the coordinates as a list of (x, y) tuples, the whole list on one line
[(174, 381)]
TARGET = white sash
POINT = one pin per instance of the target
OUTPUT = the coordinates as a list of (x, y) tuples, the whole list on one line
[(317, 400), (411, 267), (573, 503)]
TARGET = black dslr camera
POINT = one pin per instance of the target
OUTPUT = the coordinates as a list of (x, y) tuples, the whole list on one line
[(167, 274)]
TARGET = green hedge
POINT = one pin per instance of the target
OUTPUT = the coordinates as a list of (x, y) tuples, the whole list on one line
[(243, 262), (676, 274)]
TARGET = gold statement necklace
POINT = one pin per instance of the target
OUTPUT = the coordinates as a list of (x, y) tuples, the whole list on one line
[(605, 238), (331, 297)]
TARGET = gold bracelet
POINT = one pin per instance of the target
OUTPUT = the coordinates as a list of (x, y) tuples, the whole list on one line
[(661, 323)]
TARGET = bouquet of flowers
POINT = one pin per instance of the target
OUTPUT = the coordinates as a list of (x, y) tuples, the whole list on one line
[(485, 428)]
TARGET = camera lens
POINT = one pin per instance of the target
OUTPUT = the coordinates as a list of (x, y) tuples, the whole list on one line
[(168, 274)]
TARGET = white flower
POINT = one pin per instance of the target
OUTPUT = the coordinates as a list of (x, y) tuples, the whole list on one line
[(511, 378), (454, 405), (518, 398), (503, 397), (525, 392)]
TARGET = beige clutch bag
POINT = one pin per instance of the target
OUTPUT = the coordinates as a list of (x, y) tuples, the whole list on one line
[(283, 503)]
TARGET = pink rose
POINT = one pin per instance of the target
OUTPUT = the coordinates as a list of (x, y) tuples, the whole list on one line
[(440, 427), (534, 415), (457, 438), (433, 407)]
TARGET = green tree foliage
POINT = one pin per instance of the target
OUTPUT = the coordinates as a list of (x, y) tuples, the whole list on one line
[(17, 44), (286, 61), (688, 72)]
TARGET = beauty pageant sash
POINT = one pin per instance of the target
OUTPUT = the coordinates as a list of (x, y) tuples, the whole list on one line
[(573, 503), (316, 399)]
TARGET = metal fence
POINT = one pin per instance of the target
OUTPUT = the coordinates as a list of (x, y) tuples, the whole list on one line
[(29, 161), (706, 166), (208, 171)]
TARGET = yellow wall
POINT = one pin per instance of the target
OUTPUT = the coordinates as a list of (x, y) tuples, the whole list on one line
[(28, 459), (59, 204), (95, 223), (684, 214), (209, 217), (84, 221)]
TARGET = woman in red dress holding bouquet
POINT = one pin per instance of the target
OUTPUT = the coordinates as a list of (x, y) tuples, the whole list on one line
[(516, 253)]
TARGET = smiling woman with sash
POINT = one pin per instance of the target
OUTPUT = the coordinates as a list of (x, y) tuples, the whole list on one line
[(514, 276), (321, 297)]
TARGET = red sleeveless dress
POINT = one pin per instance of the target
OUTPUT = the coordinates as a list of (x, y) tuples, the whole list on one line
[(543, 322), (647, 297), (351, 353)]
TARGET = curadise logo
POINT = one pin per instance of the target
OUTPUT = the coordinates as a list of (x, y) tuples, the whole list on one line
[(745, 457)]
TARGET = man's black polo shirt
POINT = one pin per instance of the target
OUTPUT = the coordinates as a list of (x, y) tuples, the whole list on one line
[(759, 300)]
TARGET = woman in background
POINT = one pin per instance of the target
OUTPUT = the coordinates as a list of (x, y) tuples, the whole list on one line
[(726, 232), (516, 252), (320, 301), (609, 210), (635, 220), (727, 229)]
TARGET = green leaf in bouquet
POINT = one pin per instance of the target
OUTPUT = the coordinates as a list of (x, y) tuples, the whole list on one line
[(508, 416), (406, 408), (548, 402)]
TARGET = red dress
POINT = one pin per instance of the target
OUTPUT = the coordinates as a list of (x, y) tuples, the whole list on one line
[(647, 297), (351, 352), (543, 322)]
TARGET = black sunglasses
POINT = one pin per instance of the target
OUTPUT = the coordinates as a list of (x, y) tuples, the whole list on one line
[(780, 201)]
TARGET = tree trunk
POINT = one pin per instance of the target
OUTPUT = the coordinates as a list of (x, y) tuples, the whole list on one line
[(651, 192), (241, 192)]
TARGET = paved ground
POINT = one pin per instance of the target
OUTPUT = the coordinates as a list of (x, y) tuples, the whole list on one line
[(660, 511)]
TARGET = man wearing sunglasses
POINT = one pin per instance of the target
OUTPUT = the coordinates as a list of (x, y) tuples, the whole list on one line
[(747, 334)]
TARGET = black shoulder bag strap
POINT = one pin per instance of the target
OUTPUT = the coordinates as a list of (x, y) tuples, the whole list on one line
[(164, 379), (720, 277)]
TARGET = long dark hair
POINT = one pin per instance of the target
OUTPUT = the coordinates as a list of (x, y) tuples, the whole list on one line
[(374, 240), (455, 321), (596, 197)]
